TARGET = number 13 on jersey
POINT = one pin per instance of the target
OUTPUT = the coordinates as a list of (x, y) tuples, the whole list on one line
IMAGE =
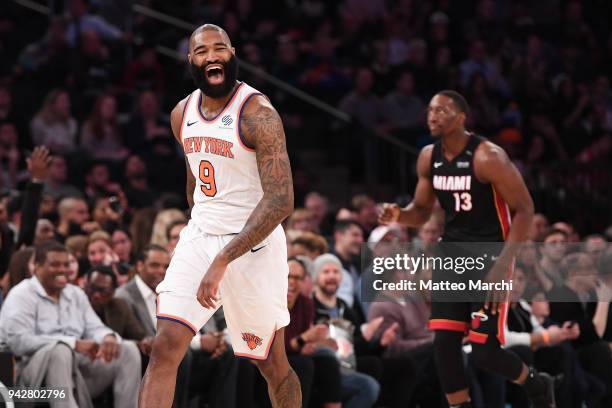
[(207, 177), (463, 201)]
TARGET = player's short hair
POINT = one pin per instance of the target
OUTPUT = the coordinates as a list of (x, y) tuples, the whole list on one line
[(144, 254), (343, 225), (41, 251), (103, 270), (457, 99)]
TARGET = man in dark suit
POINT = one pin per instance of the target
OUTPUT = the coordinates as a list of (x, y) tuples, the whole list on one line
[(114, 312)]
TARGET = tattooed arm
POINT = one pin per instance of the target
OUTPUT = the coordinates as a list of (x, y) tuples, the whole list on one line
[(176, 119), (262, 127)]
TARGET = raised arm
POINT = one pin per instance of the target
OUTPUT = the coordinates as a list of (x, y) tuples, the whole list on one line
[(262, 127), (176, 119), (419, 210)]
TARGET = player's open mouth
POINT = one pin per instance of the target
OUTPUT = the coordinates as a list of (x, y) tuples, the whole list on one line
[(215, 74)]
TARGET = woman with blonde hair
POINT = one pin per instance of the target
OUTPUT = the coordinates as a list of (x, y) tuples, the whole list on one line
[(53, 126), (162, 222)]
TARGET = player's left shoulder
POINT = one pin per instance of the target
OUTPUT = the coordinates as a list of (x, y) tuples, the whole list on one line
[(489, 154)]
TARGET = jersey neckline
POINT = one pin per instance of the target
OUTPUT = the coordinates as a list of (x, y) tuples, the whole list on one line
[(227, 104)]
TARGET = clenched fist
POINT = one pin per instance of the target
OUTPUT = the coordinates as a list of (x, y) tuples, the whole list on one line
[(389, 213)]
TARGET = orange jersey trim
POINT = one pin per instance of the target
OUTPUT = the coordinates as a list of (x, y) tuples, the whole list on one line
[(238, 130), (476, 337), (503, 213)]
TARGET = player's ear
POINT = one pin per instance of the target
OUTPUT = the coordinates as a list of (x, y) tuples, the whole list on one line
[(233, 50), (189, 57)]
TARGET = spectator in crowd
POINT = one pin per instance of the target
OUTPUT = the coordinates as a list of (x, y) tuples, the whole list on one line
[(301, 220), (147, 123), (348, 238), (114, 312), (327, 271), (539, 341), (101, 136), (45, 231), (20, 267), (302, 339), (151, 265), (566, 304), (10, 156), (98, 181), (56, 183), (100, 253), (552, 251), (568, 229), (318, 205), (60, 339), (430, 233), (73, 218), (83, 20), (595, 245), (174, 231), (404, 109), (53, 126), (162, 222), (366, 213), (311, 246), (122, 245), (137, 190), (144, 73)]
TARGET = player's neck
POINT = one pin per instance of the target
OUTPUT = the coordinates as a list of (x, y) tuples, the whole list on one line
[(453, 143), (211, 106)]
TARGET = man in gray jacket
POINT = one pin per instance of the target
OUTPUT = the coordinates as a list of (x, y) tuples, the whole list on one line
[(51, 325)]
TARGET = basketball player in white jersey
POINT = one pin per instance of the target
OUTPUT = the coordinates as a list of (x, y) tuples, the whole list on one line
[(233, 251)]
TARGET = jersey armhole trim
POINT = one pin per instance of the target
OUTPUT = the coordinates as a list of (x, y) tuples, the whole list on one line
[(241, 138), (185, 109)]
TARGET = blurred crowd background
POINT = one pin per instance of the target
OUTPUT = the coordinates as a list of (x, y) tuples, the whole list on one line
[(94, 82)]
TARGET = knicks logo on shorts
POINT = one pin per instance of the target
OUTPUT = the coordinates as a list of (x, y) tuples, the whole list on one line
[(251, 340), (478, 317)]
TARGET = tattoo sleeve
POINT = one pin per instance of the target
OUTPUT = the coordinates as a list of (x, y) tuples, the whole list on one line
[(264, 127)]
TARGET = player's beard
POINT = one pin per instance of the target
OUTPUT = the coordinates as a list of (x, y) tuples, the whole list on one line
[(230, 74)]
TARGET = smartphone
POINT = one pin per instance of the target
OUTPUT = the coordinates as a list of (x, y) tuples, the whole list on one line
[(115, 204)]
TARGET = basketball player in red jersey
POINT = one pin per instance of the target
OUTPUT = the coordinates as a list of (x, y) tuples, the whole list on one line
[(233, 250), (484, 199)]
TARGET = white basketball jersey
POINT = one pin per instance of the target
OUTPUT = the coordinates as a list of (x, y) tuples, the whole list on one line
[(227, 179)]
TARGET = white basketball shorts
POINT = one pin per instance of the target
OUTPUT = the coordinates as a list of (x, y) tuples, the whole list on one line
[(253, 291)]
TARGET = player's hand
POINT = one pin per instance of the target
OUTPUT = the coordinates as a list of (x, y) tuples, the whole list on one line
[(308, 349), (571, 330), (209, 287), (389, 213), (370, 328), (39, 162), (318, 332), (555, 334), (389, 335), (109, 349), (88, 348)]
